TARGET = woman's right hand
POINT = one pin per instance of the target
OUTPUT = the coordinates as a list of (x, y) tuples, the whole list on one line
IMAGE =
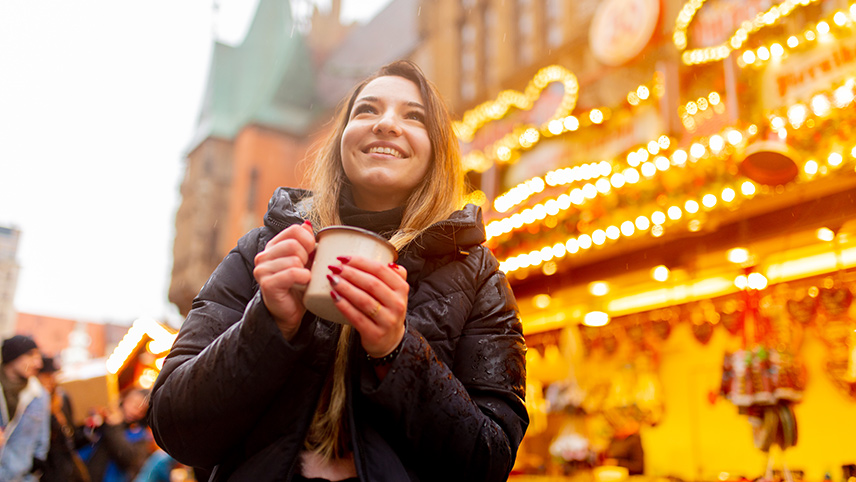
[(281, 265)]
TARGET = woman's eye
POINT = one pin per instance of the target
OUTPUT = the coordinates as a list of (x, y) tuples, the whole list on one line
[(417, 116), (364, 109)]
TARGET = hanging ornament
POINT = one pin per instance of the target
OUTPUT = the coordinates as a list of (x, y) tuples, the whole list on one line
[(803, 309)]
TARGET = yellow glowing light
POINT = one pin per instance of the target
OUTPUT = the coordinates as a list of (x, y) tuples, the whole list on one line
[(658, 217), (820, 105), (642, 223), (747, 188), (648, 169), (555, 127), (598, 288), (596, 116), (763, 53), (660, 273), (664, 142), (691, 206), (661, 163), (749, 57), (713, 98), (571, 123), (728, 194), (642, 92), (823, 28), (632, 98), (631, 175), (840, 18), (598, 237), (627, 228), (692, 108), (162, 339), (756, 281), (613, 233), (679, 157), (674, 213), (559, 250), (810, 167), (717, 143), (809, 35), (741, 282), (737, 255), (617, 180), (793, 41), (657, 230), (776, 50), (734, 137), (584, 241), (697, 150), (572, 246), (596, 318), (835, 159), (541, 301), (709, 200), (653, 147), (825, 234)]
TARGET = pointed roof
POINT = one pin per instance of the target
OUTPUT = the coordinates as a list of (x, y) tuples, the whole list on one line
[(266, 80)]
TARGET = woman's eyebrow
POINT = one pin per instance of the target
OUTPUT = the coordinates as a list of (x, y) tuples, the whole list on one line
[(373, 99)]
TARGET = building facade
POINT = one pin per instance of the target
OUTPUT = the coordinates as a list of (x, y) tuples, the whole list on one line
[(8, 279)]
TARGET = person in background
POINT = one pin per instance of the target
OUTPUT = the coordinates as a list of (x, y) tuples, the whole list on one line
[(625, 447), (24, 412), (120, 440), (63, 464), (427, 379)]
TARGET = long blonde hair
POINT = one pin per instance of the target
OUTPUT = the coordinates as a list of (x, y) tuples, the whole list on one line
[(433, 200)]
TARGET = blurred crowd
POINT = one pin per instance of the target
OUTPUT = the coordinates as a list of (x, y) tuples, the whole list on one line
[(39, 439)]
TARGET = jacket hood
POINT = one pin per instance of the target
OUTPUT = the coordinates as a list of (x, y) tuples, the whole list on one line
[(463, 228)]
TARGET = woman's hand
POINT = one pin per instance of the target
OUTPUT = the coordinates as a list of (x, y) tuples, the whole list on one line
[(373, 297), (279, 267)]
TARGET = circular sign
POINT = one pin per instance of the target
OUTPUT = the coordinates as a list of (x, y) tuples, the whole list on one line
[(622, 28)]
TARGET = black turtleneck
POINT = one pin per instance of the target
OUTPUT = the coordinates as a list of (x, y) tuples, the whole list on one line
[(384, 223)]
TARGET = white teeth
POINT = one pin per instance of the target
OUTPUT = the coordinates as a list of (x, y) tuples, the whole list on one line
[(386, 150)]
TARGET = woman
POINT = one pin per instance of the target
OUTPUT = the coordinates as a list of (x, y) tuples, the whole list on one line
[(426, 383)]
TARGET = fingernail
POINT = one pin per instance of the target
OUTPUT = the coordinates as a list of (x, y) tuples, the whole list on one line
[(335, 269), (333, 279), (393, 265), (308, 223), (336, 296), (344, 259)]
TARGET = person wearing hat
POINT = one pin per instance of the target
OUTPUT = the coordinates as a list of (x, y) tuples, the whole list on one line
[(24, 411), (63, 463)]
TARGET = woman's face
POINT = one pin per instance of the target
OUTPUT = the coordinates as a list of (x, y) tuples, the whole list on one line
[(386, 151)]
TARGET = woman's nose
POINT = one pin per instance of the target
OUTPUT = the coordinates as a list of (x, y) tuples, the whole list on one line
[(387, 124)]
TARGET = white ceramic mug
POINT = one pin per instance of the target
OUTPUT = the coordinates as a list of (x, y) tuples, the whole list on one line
[(332, 242)]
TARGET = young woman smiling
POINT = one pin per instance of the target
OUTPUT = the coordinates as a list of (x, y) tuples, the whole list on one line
[(427, 381)]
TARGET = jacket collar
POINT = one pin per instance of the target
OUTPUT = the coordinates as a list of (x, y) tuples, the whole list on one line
[(460, 230)]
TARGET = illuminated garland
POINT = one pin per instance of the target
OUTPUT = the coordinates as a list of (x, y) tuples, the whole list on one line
[(527, 136), (723, 50), (776, 50), (658, 220)]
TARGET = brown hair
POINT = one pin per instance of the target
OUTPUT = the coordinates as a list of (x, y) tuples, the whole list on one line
[(438, 195)]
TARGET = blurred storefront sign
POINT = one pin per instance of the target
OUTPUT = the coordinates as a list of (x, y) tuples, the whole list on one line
[(717, 20), (621, 29)]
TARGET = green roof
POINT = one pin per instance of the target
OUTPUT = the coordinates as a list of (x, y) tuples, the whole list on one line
[(267, 80)]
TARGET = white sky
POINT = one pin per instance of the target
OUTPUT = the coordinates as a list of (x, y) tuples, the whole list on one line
[(98, 101)]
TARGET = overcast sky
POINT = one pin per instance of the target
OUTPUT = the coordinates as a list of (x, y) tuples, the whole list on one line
[(98, 101)]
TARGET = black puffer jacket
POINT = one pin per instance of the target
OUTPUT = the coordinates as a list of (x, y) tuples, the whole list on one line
[(235, 394)]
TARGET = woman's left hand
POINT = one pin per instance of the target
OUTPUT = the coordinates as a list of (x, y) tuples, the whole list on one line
[(373, 297)]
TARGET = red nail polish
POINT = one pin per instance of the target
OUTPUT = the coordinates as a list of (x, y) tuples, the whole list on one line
[(336, 296), (393, 266), (308, 222), (333, 279), (344, 259), (335, 269)]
